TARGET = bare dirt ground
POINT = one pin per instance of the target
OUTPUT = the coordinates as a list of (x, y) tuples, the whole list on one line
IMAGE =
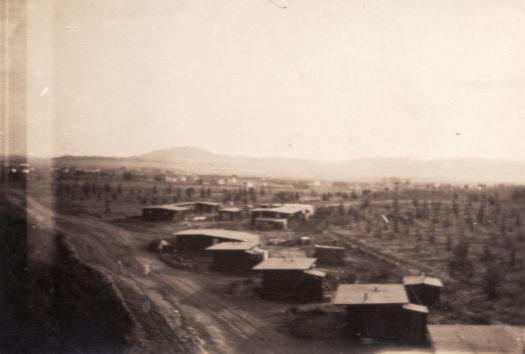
[(181, 311)]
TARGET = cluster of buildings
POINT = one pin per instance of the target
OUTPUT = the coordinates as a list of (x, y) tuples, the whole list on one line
[(239, 251), (384, 312), (291, 277), (178, 211), (273, 215), (230, 250), (15, 172), (389, 312), (279, 215)]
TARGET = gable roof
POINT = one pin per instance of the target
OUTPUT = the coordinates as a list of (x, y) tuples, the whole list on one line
[(370, 294), (220, 233), (286, 264)]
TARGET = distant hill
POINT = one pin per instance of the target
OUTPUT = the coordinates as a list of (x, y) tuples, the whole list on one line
[(195, 160)]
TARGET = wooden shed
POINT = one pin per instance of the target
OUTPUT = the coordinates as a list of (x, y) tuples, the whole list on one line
[(165, 212), (273, 223), (291, 277), (206, 207), (230, 214), (329, 255), (201, 239), (284, 211), (415, 318), (236, 256), (382, 312), (422, 289)]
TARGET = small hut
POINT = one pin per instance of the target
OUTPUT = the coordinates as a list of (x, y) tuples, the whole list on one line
[(236, 256), (422, 289), (230, 214), (201, 239), (206, 207), (329, 255), (382, 312), (282, 212), (277, 224), (165, 212), (291, 277)]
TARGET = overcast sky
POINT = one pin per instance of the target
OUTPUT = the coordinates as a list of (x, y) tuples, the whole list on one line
[(290, 78)]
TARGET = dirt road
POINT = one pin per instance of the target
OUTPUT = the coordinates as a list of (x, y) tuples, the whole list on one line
[(173, 310)]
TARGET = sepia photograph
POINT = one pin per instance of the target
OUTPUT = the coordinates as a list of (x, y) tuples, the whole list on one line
[(262, 176)]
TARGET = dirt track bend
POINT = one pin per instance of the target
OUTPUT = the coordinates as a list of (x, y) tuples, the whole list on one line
[(172, 310)]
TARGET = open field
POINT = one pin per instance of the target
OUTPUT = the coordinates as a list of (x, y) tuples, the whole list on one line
[(388, 232), (182, 311), (424, 226)]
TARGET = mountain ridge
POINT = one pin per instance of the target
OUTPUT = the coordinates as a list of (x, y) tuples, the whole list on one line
[(196, 160)]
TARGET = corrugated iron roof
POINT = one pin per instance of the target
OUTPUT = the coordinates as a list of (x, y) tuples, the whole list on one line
[(220, 233), (286, 264), (232, 246), (422, 279), (493, 339), (370, 294)]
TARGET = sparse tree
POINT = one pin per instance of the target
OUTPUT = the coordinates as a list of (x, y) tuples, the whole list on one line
[(395, 220), (459, 264), (432, 234), (107, 208), (341, 209), (455, 208), (461, 250), (492, 280), (418, 234), (512, 256), (487, 254), (226, 196), (481, 215), (449, 241)]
